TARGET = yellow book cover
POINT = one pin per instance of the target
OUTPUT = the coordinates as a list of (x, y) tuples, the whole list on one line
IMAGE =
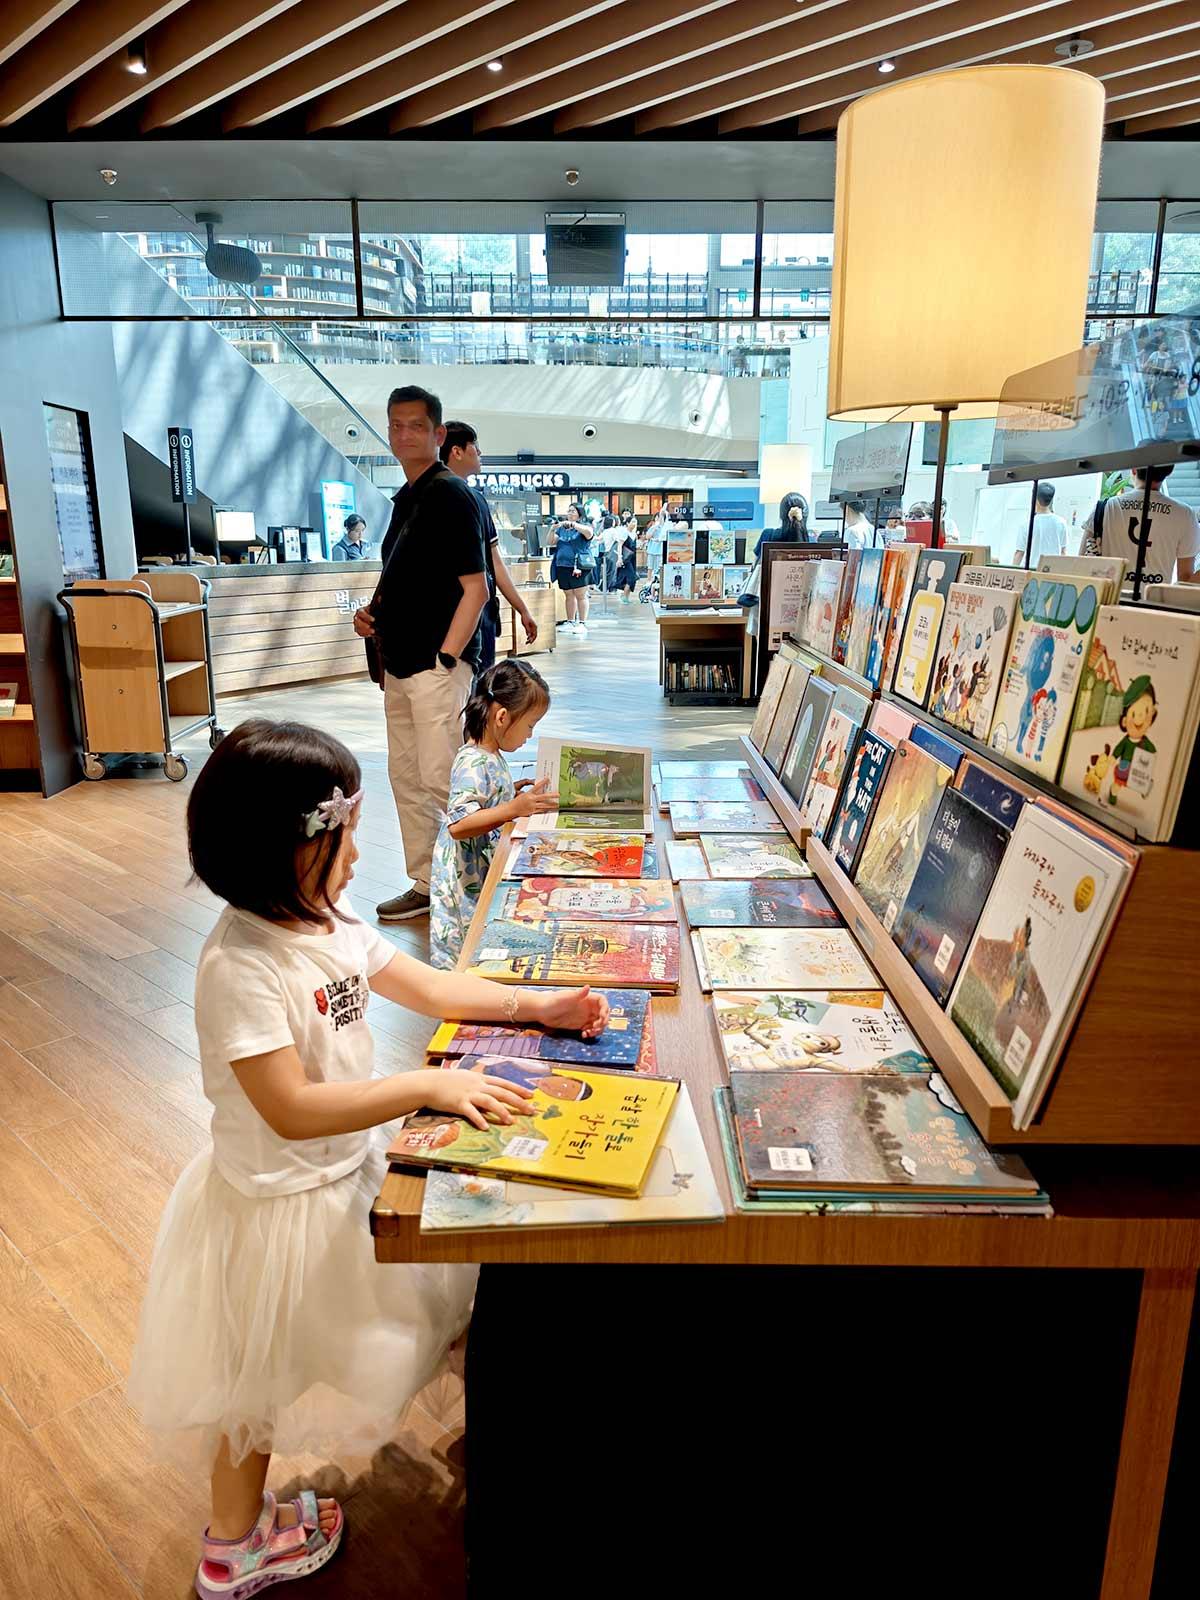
[(584, 1130)]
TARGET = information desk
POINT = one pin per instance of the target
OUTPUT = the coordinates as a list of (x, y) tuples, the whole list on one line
[(823, 1419), (291, 623)]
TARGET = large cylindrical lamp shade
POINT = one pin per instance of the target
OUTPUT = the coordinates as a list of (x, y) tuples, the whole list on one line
[(784, 469), (994, 171)]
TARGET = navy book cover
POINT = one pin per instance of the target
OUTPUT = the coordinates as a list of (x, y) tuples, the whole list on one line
[(858, 800)]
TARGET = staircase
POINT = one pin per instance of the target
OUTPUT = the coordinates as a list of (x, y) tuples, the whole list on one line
[(1184, 484)]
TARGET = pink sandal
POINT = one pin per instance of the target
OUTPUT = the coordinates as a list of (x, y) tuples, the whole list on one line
[(233, 1569)]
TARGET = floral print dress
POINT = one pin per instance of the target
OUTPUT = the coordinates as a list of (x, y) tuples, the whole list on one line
[(479, 780)]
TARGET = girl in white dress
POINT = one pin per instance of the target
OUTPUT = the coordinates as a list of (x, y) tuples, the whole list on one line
[(267, 1323)]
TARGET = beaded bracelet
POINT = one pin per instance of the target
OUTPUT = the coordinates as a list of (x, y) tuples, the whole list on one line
[(511, 1002)]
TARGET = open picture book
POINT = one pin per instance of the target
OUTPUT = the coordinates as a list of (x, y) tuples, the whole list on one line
[(599, 787)]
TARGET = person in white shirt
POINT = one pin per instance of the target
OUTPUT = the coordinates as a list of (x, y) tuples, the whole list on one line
[(1049, 531), (859, 531), (1174, 536)]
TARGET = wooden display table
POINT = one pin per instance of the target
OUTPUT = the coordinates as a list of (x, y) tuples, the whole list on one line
[(542, 607), (1026, 1363), (682, 627)]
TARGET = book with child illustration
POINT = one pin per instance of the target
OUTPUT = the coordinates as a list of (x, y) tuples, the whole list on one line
[(970, 657), (904, 813), (599, 787), (575, 855), (679, 1187), (620, 1045), (595, 900), (841, 1030), (781, 958), (625, 955), (743, 855), (936, 570), (584, 1130), (1050, 646)]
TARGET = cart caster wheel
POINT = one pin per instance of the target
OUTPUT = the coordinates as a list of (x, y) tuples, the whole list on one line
[(176, 768), (93, 767), (215, 735)]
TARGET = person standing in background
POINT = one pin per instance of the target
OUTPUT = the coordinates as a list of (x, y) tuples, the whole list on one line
[(460, 452), (574, 569), (425, 621), (610, 539), (352, 545), (1173, 542), (859, 531), (1049, 531)]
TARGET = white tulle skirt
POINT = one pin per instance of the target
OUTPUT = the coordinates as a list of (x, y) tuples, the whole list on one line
[(270, 1322)]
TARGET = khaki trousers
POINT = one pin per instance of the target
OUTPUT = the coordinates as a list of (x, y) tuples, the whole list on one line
[(424, 734)]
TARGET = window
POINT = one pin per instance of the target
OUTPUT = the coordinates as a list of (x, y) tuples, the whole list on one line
[(74, 492)]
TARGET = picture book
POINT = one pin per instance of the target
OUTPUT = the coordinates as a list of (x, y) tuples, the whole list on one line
[(1011, 579), (677, 582), (504, 901), (951, 884), (579, 855), (1034, 948), (783, 724), (741, 787), (853, 705), (936, 744), (863, 1133), (625, 955), (821, 1031), (899, 565), (1051, 640), (805, 579), (681, 546), (783, 958), (862, 621), (708, 584), (1106, 572), (679, 1187), (667, 771), (595, 900), (904, 814), (845, 615), (736, 579), (768, 701), (824, 605), (721, 548), (734, 855), (1135, 716), (890, 721), (589, 777), (835, 749), (584, 1130), (1001, 798), (971, 656), (860, 794), (716, 816), (611, 819), (806, 746), (618, 1046), (757, 903), (685, 860), (935, 571)]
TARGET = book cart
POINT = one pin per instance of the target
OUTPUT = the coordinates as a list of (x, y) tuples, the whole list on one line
[(143, 667)]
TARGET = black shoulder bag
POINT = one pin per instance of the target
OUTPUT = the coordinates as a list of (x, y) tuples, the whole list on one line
[(376, 665)]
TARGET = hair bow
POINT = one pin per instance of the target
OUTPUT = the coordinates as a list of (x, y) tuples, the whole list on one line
[(332, 813)]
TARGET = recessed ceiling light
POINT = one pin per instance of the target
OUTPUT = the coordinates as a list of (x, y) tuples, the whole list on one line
[(1074, 47), (495, 66), (887, 65), (135, 59)]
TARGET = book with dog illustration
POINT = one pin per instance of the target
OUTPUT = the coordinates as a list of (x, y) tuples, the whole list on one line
[(841, 1030)]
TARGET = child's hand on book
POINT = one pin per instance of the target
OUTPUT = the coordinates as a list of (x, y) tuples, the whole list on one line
[(537, 797), (577, 1010), (477, 1097)]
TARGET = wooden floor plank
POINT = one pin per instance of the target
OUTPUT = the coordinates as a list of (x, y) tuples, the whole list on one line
[(47, 1363), (23, 1022), (101, 1286), (151, 1129), (28, 1099), (107, 937), (167, 972), (163, 932), (16, 916), (139, 1049), (21, 965), (176, 1024), (97, 1167), (49, 1547), (110, 979), (36, 1208)]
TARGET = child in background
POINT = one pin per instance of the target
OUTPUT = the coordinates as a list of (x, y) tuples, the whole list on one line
[(267, 1324), (509, 701)]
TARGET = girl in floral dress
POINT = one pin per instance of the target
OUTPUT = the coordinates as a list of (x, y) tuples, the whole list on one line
[(509, 701)]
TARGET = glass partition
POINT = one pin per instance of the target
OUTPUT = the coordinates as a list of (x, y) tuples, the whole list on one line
[(1122, 262), (1179, 273)]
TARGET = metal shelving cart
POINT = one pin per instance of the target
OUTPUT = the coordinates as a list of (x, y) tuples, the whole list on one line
[(143, 667)]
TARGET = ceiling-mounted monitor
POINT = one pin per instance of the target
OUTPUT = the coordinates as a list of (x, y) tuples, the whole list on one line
[(585, 249)]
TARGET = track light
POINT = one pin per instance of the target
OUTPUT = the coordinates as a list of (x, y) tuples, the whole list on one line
[(887, 65), (495, 66), (135, 58)]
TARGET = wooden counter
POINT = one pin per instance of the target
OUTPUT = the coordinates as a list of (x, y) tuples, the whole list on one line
[(291, 623)]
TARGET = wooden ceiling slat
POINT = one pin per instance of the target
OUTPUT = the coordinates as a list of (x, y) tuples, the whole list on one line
[(373, 55), (1185, 117), (78, 41), (22, 20), (629, 23), (1183, 69), (1183, 94), (906, 29), (819, 105), (507, 27), (574, 87), (182, 42), (310, 25)]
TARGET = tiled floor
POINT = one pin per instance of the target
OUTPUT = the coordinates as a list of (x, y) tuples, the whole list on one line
[(100, 1106)]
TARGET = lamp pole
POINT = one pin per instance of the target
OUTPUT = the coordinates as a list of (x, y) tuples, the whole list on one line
[(943, 411)]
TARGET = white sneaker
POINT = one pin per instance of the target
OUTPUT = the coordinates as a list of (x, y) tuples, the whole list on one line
[(581, 629)]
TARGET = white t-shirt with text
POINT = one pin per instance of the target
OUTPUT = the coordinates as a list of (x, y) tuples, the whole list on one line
[(260, 988), (1174, 532)]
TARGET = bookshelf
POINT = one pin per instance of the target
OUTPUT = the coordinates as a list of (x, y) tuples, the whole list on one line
[(704, 638), (1127, 1074), (18, 731)]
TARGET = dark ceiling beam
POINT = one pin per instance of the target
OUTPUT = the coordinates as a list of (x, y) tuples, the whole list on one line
[(22, 20), (81, 39)]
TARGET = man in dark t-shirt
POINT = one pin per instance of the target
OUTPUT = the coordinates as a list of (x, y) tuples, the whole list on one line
[(432, 590)]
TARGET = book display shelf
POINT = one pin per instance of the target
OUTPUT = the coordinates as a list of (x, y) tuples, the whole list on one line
[(706, 657)]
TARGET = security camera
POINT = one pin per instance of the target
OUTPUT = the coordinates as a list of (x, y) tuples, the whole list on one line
[(588, 430), (572, 176), (352, 430), (694, 418), (109, 174)]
